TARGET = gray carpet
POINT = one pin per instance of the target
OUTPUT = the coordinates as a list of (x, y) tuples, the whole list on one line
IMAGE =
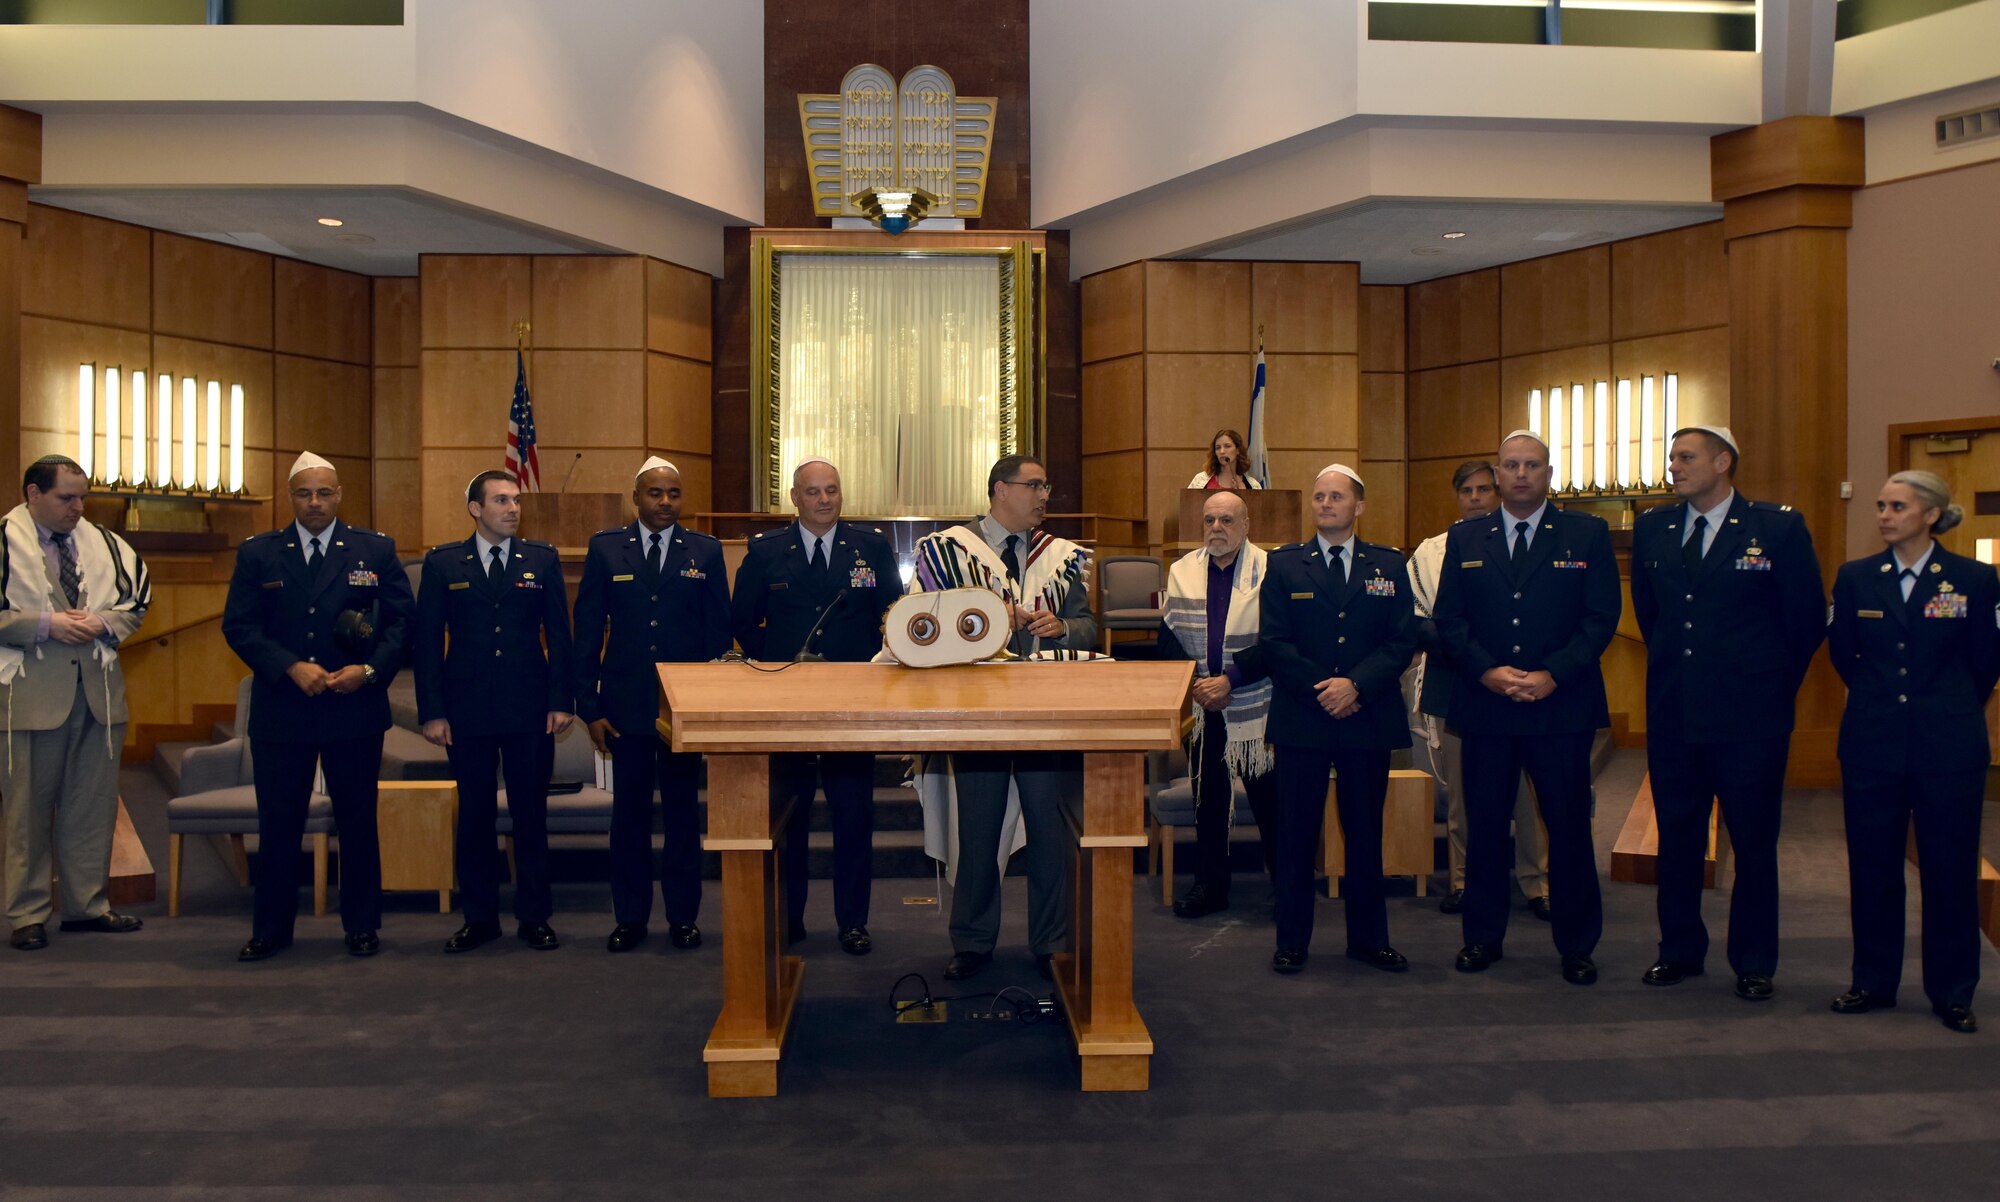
[(155, 1066)]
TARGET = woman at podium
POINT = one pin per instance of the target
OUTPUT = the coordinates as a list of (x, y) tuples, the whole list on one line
[(1225, 464)]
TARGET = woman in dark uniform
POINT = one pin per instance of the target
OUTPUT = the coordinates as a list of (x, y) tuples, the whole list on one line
[(1915, 633)]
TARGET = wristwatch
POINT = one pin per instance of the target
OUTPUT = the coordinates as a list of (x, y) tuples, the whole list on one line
[(368, 673)]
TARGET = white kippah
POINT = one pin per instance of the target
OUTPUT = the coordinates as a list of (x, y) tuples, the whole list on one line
[(1526, 434), (1721, 432), (307, 461), (812, 459), (654, 463), (1344, 470)]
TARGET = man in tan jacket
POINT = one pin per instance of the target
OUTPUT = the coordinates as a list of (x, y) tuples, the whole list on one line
[(70, 593)]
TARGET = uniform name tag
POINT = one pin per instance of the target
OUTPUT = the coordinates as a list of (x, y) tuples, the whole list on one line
[(694, 574), (626, 576), (861, 578), (274, 584), (1570, 565), (778, 584), (1380, 586), (1472, 563), (1867, 613), (1302, 596), (1753, 563), (1948, 605), (456, 585), (361, 578)]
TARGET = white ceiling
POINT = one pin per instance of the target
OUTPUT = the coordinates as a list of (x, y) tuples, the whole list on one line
[(1402, 241), (385, 228)]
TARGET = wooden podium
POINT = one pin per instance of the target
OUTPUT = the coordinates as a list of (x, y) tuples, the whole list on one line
[(739, 716), (569, 519), (1276, 516)]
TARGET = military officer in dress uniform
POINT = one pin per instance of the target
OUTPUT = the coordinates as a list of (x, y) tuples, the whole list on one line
[(1727, 593), (1915, 633), (498, 693), (1338, 630), (320, 611), (817, 590), (1527, 602), (652, 592)]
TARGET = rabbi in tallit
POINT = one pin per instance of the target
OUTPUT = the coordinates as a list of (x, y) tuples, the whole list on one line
[(1212, 618), (976, 803), (70, 593)]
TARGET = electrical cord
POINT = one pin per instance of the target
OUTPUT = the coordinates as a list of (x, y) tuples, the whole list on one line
[(1035, 1010)]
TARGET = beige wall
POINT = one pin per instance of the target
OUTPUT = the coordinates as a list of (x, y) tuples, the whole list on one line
[(1923, 319)]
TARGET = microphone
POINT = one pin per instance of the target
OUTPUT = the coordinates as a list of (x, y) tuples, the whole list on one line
[(570, 474), (806, 654)]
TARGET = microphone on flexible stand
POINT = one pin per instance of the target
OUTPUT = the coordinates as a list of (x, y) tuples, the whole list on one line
[(806, 654), (570, 474)]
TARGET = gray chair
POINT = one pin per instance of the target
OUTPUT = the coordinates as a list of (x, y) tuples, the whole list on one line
[(218, 797), (583, 811), (1169, 807), (1130, 588), (407, 755)]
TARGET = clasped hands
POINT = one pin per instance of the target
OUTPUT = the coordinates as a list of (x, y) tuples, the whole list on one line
[(1042, 623), (314, 680), (1516, 685), (76, 627), (1338, 696)]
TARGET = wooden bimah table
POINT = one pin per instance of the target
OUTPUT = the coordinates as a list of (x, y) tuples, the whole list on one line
[(739, 715)]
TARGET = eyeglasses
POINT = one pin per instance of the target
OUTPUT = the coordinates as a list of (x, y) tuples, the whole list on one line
[(1037, 486)]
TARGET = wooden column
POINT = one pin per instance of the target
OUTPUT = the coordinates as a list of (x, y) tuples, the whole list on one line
[(1786, 188), (20, 165)]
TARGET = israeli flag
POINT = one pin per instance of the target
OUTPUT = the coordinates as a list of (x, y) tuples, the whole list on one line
[(1258, 465)]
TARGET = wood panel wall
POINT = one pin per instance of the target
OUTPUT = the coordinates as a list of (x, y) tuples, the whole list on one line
[(1169, 357), (1385, 445), (618, 368)]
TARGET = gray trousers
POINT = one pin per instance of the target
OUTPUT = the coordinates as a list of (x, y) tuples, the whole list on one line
[(1049, 782), (60, 799), (1531, 838)]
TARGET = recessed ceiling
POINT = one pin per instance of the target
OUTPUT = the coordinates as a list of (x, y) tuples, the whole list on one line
[(1403, 241), (382, 230)]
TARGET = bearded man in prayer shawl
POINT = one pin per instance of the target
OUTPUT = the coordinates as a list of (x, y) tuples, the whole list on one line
[(1212, 618), (976, 804), (70, 593)]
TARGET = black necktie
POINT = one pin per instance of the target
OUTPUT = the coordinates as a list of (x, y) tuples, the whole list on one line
[(1012, 560), (819, 559), (1336, 563), (494, 568), (1519, 555), (653, 556), (313, 556), (1907, 582), (72, 584), (1691, 550)]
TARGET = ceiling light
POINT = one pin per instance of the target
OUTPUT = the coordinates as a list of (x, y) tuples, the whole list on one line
[(333, 221), (1455, 234)]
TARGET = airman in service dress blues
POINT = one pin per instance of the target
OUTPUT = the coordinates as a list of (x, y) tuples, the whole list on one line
[(652, 592), (1915, 633), (320, 611), (817, 590), (492, 656), (1727, 593)]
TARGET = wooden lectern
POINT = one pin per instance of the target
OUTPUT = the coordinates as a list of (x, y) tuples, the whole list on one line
[(1276, 514), (739, 716), (567, 520)]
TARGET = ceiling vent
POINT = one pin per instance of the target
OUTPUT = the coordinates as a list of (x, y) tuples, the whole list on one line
[(1954, 129)]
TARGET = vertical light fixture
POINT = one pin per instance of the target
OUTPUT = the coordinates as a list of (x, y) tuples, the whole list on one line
[(1624, 432), (236, 438), (1646, 474), (211, 463), (1576, 437), (140, 399), (1673, 411), (1600, 459), (188, 439), (165, 474), (1554, 438), (1535, 412), (111, 402), (86, 415)]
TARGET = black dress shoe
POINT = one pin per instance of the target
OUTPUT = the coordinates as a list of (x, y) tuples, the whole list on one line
[(539, 936), (363, 943), (1288, 960), (1753, 988), (467, 937), (684, 935), (1201, 900), (1666, 972), (1860, 1001), (116, 924), (1045, 966), (1453, 902), (966, 965), (30, 938), (1579, 970), (1539, 907), (625, 936), (1477, 957), (1957, 1018), (262, 949), (855, 941), (1388, 959)]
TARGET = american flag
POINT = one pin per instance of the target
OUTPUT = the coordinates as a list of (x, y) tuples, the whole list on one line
[(521, 461)]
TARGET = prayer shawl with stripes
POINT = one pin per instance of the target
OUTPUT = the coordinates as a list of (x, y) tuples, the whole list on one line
[(1247, 754)]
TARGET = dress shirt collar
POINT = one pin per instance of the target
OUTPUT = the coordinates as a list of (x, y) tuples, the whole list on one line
[(1347, 556), (325, 538), (807, 539), (646, 534), (1714, 515), (995, 534), (486, 551), (1916, 568), (1508, 521)]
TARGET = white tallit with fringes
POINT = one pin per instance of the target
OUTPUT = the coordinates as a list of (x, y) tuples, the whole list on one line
[(1247, 754), (112, 579)]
